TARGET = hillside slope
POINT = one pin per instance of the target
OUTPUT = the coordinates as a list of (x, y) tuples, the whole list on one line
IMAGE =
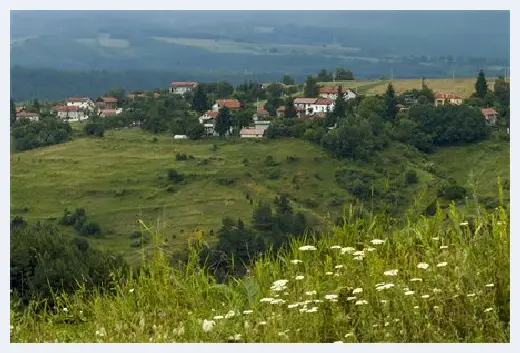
[(123, 178)]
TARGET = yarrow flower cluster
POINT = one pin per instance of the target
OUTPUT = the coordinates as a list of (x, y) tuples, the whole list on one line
[(423, 265), (307, 248), (296, 261), (382, 286), (279, 285), (377, 241), (391, 273)]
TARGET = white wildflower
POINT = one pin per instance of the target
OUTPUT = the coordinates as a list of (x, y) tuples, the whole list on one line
[(329, 273), (277, 301), (416, 307), (336, 275), (357, 290), (415, 279), (348, 250), (349, 335), (488, 310), (230, 314), (358, 258), (207, 325), (423, 265), (377, 241), (65, 309), (442, 264), (262, 323), (391, 273), (435, 238), (313, 309), (384, 301), (437, 290), (464, 223), (247, 312), (331, 297), (375, 325), (279, 285), (338, 342), (131, 290), (338, 266), (359, 253), (409, 292), (442, 247), (490, 285), (218, 317), (426, 296), (335, 247), (296, 262), (307, 248), (370, 249), (361, 302), (310, 292), (236, 337), (318, 301), (351, 298), (292, 306), (246, 325), (268, 300), (387, 324), (101, 332), (299, 278), (382, 286), (471, 295)]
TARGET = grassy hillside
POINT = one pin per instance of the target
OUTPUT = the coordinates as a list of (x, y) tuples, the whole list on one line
[(461, 86), (123, 178), (432, 281)]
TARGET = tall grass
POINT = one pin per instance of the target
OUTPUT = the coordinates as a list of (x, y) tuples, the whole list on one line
[(437, 279)]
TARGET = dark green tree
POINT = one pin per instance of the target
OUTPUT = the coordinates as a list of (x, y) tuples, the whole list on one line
[(290, 110), (481, 87), (343, 74), (224, 90), (311, 89), (223, 122), (391, 103), (501, 90), (200, 100), (12, 112), (340, 105), (275, 90), (325, 76), (195, 131), (287, 80)]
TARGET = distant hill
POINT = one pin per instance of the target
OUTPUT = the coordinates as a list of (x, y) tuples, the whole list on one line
[(202, 43)]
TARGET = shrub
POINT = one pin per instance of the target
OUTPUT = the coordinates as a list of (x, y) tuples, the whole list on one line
[(94, 129), (453, 192), (18, 221), (292, 159), (270, 161), (311, 203), (225, 181), (411, 177), (174, 176), (181, 157), (274, 174), (90, 229)]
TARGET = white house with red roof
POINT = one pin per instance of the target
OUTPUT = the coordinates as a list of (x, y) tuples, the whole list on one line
[(27, 115), (332, 93), (230, 103), (70, 113), (252, 133), (491, 116), (447, 98), (322, 105), (182, 87), (81, 102)]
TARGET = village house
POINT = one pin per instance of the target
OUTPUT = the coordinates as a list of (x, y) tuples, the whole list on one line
[(182, 87), (109, 102), (303, 104), (280, 111), (322, 105), (26, 115), (208, 120), (80, 102), (252, 133), (491, 116), (103, 113), (260, 124), (70, 113), (231, 104), (447, 98), (332, 93)]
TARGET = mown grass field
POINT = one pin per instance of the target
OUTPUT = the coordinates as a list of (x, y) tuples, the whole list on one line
[(461, 86), (122, 178), (434, 281)]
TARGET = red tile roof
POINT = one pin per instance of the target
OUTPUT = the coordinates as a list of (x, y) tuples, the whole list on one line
[(332, 90), (66, 108), (109, 99), (210, 114), (489, 111), (78, 99), (252, 132), (305, 100), (183, 84), (229, 103), (109, 112), (26, 115), (324, 101), (447, 96)]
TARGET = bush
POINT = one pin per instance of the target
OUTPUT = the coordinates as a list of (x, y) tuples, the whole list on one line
[(453, 192), (270, 161), (174, 176), (181, 157), (225, 181), (292, 159), (411, 177), (90, 229), (94, 129)]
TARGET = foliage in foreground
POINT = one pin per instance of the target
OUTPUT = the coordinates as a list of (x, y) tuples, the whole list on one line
[(438, 279)]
